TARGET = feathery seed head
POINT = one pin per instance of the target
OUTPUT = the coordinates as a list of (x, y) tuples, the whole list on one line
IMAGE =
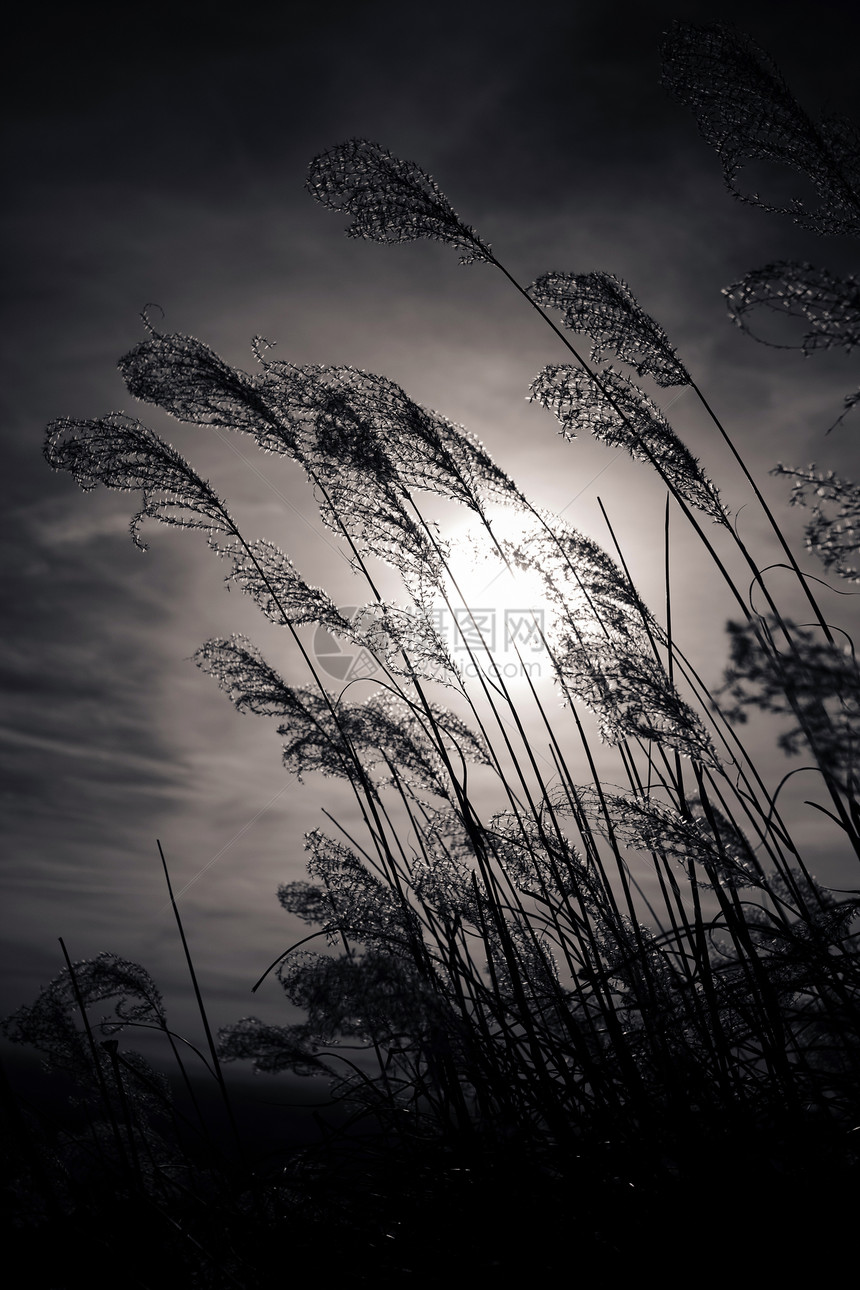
[(605, 308), (617, 412), (122, 453), (390, 200), (745, 110)]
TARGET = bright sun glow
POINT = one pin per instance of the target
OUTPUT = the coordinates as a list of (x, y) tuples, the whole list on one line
[(497, 613)]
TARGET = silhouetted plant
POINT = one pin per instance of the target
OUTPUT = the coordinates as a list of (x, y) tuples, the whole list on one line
[(745, 110), (833, 533)]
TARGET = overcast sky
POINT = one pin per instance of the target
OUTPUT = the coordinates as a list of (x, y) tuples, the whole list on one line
[(162, 159)]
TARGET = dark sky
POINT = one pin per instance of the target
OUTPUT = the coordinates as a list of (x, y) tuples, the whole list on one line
[(159, 155)]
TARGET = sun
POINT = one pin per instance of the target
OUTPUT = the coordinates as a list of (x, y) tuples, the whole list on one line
[(493, 617)]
